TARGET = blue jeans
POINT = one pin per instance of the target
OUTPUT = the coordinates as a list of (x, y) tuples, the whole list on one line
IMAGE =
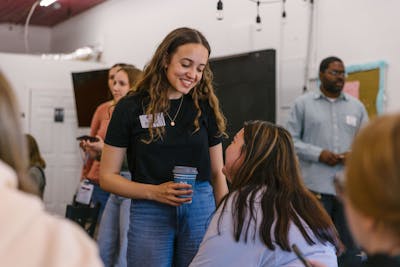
[(163, 235), (99, 196), (113, 231)]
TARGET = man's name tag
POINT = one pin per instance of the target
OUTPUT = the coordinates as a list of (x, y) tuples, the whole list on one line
[(351, 120), (158, 122)]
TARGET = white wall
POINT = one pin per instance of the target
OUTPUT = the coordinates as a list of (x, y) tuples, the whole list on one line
[(358, 31), (12, 38), (362, 31), (25, 72), (130, 30)]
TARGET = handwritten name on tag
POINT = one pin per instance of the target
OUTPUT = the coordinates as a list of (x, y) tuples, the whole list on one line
[(158, 122), (351, 120)]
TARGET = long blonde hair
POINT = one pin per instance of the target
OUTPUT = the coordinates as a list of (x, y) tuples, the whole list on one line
[(12, 141), (154, 83), (133, 74), (35, 158)]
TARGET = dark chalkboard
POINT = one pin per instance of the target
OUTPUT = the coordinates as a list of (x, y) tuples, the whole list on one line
[(245, 86)]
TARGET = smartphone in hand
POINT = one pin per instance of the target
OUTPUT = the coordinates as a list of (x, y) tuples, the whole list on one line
[(300, 255), (87, 138)]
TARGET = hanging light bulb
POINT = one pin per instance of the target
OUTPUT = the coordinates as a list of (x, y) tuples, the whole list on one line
[(258, 18), (258, 23), (220, 10), (284, 10)]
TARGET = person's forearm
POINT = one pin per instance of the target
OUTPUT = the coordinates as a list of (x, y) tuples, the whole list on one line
[(220, 188), (111, 181), (307, 151), (119, 185), (218, 179)]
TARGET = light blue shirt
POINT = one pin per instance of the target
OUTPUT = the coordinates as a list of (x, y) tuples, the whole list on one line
[(318, 123), (222, 250)]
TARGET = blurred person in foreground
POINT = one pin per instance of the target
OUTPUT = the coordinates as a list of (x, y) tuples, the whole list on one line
[(370, 192), (30, 237)]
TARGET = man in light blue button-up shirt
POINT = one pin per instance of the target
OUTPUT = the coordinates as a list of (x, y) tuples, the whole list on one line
[(323, 124)]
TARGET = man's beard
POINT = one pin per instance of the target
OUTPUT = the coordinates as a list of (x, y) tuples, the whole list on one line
[(334, 88)]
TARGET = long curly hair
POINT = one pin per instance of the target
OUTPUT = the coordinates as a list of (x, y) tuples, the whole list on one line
[(154, 82), (270, 174)]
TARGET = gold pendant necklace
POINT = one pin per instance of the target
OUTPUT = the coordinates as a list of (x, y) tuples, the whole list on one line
[(176, 114)]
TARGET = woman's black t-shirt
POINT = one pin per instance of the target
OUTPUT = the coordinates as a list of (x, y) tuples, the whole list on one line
[(180, 145)]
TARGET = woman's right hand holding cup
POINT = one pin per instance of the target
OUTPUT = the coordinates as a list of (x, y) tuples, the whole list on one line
[(171, 193)]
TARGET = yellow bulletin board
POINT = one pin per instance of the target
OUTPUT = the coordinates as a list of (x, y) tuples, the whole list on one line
[(369, 79)]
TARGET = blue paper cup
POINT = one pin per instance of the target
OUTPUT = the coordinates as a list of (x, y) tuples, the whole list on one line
[(185, 175)]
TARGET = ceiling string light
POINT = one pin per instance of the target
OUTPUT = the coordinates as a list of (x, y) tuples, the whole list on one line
[(220, 10), (258, 18), (220, 15), (283, 9)]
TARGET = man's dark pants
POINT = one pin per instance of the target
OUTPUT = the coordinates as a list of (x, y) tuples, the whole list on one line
[(334, 207)]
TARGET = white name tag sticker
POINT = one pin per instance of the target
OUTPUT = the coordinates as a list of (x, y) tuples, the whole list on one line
[(145, 120), (84, 194), (351, 120)]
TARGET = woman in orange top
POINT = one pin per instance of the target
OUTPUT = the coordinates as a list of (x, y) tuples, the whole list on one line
[(98, 128)]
